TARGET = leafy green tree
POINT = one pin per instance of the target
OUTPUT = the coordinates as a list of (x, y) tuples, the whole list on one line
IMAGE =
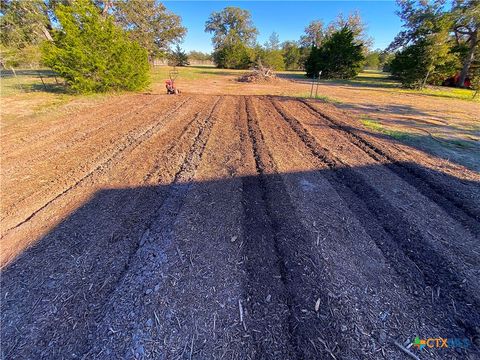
[(271, 55), (354, 23), (178, 57), (313, 35), (92, 53), (313, 63), (420, 19), (24, 23), (29, 56), (421, 63), (385, 57), (466, 17), (233, 33), (23, 26), (274, 60), (268, 57), (441, 61), (149, 23), (273, 42), (233, 56), (291, 55), (339, 57), (372, 60), (316, 33), (198, 55), (426, 34), (410, 65)]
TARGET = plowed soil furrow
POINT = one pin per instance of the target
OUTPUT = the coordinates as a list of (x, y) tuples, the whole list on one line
[(150, 264), (122, 172), (344, 235), (26, 131), (155, 172), (77, 129), (462, 208), (268, 300), (436, 272), (399, 193), (107, 249), (232, 227), (58, 156), (298, 268), (63, 165), (102, 162), (126, 171)]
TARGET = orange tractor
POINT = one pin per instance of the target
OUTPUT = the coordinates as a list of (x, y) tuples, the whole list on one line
[(170, 83)]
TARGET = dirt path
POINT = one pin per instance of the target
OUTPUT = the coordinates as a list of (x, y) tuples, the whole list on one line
[(234, 227)]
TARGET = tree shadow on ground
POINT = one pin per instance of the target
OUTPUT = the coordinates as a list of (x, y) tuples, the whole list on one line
[(361, 81), (419, 134), (33, 80), (46, 73), (47, 87), (393, 108), (220, 72), (55, 294), (462, 151)]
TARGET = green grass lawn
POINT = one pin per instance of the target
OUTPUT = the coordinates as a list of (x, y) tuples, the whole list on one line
[(445, 92), (371, 78), (30, 80), (161, 73), (382, 81)]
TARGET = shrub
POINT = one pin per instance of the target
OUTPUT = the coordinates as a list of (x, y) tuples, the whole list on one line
[(198, 55), (409, 66), (339, 57), (232, 56), (92, 53), (178, 57), (269, 58), (291, 55), (424, 63)]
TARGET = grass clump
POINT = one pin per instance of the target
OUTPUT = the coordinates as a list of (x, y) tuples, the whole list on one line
[(324, 98), (376, 126)]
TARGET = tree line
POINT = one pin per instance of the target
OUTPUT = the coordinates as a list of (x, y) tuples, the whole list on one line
[(235, 46), (100, 45)]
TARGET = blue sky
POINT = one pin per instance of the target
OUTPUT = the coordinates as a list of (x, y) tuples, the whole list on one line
[(287, 18)]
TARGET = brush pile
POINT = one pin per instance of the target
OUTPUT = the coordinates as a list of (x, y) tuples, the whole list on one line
[(258, 74)]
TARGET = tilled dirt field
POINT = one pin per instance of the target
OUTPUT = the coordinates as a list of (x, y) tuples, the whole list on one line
[(234, 227)]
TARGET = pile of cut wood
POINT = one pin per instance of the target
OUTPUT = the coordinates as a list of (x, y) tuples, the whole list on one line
[(258, 74)]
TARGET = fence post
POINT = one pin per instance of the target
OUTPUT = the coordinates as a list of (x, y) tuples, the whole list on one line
[(313, 82), (19, 85), (318, 80), (41, 78)]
